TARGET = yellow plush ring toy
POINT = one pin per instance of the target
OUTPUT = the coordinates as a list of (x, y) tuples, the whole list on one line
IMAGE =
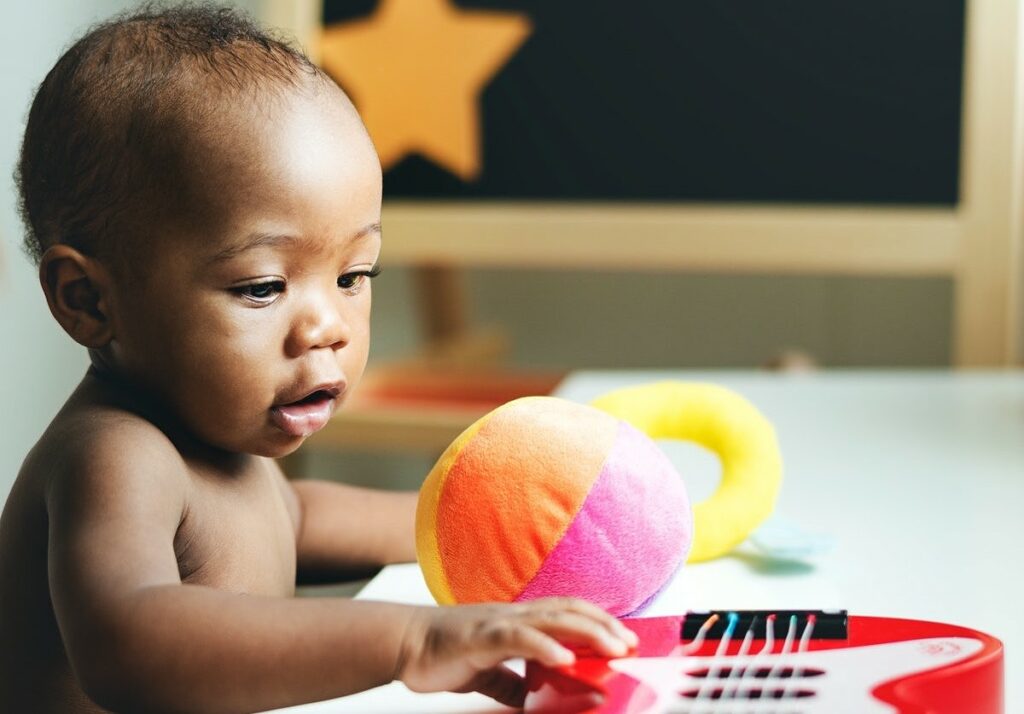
[(730, 426)]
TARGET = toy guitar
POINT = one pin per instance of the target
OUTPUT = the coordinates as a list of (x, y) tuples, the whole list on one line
[(785, 662)]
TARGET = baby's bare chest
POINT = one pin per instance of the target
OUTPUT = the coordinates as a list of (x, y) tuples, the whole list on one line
[(239, 538)]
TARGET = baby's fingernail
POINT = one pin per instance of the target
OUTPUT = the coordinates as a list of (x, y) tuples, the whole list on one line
[(614, 647), (627, 635), (564, 656)]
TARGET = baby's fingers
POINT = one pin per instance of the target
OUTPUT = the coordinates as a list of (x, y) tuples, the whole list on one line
[(501, 684), (502, 642), (577, 629), (587, 623), (589, 609)]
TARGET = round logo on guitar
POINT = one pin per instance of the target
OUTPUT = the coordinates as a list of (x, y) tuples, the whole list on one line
[(943, 648)]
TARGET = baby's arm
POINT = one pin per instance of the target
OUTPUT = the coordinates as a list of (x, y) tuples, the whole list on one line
[(344, 530), (140, 640)]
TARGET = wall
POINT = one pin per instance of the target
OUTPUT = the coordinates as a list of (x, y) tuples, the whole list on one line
[(39, 364), (607, 319)]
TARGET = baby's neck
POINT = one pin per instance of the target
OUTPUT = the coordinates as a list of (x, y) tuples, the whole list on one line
[(106, 385)]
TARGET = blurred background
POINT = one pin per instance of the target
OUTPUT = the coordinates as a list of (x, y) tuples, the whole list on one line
[(702, 184)]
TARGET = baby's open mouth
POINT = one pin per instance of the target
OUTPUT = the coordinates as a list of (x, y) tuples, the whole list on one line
[(304, 416), (317, 396)]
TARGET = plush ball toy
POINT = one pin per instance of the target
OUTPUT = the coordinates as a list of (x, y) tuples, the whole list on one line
[(543, 496)]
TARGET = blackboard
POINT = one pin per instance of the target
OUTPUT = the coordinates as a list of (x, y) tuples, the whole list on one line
[(794, 101)]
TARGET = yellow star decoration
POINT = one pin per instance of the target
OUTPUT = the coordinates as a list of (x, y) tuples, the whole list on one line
[(415, 70)]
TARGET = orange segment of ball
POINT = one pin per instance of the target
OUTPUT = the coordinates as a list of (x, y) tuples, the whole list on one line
[(494, 560)]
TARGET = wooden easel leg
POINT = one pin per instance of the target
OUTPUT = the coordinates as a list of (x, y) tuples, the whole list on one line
[(440, 290)]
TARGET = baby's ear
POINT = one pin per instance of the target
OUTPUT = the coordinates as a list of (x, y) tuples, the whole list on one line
[(77, 290)]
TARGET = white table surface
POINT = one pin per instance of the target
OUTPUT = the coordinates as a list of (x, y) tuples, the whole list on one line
[(917, 476)]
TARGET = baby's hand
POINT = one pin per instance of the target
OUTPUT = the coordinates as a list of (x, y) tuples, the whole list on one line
[(462, 648)]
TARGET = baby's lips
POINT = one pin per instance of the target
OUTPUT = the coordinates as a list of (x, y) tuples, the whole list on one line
[(303, 418), (333, 388)]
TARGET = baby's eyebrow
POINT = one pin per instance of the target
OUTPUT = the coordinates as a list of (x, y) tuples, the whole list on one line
[(260, 239)]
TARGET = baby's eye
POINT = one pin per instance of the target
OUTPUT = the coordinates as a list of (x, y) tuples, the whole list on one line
[(264, 292), (353, 281)]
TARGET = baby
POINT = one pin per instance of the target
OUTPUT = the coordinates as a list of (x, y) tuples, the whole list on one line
[(204, 206)]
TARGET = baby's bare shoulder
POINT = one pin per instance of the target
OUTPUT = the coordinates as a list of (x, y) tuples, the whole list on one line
[(102, 452)]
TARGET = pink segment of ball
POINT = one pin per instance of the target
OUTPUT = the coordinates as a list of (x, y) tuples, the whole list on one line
[(631, 534)]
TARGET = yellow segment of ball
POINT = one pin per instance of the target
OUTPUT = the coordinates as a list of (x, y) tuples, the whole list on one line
[(730, 426), (428, 553)]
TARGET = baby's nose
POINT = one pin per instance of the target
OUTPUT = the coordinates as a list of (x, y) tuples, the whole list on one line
[(320, 324)]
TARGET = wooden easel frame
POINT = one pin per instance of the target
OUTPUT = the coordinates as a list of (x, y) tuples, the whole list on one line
[(978, 244)]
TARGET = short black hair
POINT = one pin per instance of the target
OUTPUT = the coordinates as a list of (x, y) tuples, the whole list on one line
[(105, 119)]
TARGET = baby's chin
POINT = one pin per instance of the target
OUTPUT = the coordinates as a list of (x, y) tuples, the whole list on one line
[(267, 442), (273, 445), (278, 449)]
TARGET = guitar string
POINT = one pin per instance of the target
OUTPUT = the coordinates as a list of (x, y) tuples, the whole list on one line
[(805, 643), (787, 647), (698, 641), (723, 645), (751, 670), (767, 649), (737, 673)]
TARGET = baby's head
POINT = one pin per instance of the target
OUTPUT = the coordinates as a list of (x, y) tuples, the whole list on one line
[(204, 206)]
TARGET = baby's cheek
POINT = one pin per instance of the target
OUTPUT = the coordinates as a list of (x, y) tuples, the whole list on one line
[(229, 377)]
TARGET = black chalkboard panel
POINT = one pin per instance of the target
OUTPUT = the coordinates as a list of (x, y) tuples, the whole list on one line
[(854, 101)]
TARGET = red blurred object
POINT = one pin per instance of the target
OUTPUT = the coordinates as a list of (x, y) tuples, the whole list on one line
[(473, 390)]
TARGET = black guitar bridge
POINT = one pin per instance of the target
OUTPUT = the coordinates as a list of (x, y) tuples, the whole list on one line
[(825, 624)]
